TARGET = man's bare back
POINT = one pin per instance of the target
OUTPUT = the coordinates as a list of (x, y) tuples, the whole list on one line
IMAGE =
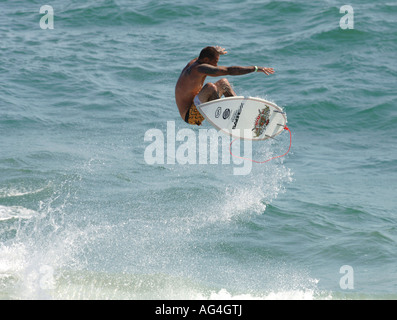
[(190, 87)]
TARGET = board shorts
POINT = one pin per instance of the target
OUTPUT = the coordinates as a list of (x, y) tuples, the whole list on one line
[(193, 116)]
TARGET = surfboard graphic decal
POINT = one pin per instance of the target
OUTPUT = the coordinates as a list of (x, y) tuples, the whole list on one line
[(261, 121)]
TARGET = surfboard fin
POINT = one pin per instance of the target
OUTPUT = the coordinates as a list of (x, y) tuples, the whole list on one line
[(266, 135)]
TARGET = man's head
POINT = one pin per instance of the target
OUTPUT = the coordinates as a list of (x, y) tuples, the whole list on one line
[(209, 55)]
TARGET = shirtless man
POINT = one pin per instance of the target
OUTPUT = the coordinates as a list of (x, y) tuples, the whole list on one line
[(189, 90)]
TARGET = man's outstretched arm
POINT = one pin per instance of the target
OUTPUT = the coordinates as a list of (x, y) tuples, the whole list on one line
[(219, 71)]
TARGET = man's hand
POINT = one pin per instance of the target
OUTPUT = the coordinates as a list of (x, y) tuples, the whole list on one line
[(267, 71), (220, 50)]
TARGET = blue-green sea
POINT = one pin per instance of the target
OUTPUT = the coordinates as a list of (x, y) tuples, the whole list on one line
[(85, 215)]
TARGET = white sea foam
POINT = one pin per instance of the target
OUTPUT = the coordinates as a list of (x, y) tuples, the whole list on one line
[(302, 294), (15, 212), (18, 192), (254, 192)]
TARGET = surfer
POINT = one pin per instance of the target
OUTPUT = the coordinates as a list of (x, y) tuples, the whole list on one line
[(189, 90)]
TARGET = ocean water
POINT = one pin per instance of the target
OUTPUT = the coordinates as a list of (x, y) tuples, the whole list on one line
[(84, 215)]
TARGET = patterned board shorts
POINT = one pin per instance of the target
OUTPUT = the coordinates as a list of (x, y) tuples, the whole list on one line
[(193, 116)]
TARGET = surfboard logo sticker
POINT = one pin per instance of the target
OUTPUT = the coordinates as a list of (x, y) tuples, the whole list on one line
[(226, 114), (261, 121), (218, 112), (236, 115)]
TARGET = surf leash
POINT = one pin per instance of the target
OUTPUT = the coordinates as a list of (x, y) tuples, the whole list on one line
[(289, 148)]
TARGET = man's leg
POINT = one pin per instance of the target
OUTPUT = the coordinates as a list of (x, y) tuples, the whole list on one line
[(213, 91), (224, 88)]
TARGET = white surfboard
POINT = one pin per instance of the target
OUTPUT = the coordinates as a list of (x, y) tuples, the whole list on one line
[(238, 115)]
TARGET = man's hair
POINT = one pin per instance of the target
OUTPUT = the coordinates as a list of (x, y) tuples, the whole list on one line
[(208, 52)]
